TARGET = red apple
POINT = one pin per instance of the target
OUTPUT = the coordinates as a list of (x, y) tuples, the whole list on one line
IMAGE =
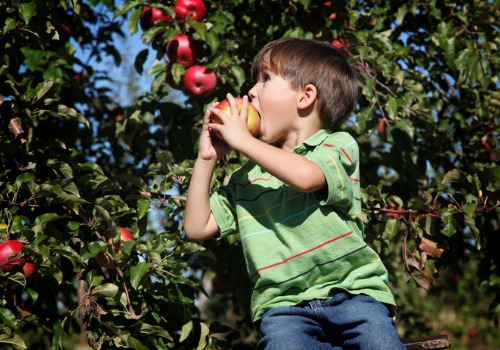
[(105, 260), (125, 234), (382, 133), (182, 49), (199, 81), (150, 15), (341, 43), (486, 154), (253, 119), (28, 270), (9, 255), (185, 8)]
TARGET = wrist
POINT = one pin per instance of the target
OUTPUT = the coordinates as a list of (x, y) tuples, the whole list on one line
[(206, 162)]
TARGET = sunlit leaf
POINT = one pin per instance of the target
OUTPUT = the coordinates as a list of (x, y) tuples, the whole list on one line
[(137, 272)]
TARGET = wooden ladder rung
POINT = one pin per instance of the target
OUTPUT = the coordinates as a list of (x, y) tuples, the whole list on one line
[(432, 342)]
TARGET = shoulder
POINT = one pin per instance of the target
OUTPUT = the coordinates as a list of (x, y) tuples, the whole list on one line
[(340, 142)]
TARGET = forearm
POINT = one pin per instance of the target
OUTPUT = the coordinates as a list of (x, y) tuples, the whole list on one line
[(291, 168), (199, 223)]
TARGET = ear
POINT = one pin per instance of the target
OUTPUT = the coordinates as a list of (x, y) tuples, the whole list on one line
[(308, 97)]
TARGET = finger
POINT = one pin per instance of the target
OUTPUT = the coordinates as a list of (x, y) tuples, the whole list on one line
[(220, 114), (244, 107), (232, 104)]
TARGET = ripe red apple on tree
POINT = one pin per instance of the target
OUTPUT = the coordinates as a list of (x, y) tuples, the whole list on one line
[(185, 8), (182, 49), (341, 43), (382, 133), (28, 270), (253, 119), (105, 260), (9, 255), (199, 81), (150, 15)]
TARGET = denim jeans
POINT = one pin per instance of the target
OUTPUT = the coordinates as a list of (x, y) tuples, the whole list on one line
[(343, 321)]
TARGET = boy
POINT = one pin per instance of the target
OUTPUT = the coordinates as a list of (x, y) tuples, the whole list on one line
[(296, 204)]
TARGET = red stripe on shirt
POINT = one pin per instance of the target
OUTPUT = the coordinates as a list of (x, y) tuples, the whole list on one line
[(304, 252), (343, 151), (254, 180)]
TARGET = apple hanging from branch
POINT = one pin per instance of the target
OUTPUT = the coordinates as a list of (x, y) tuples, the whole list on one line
[(10, 255), (105, 259), (182, 49), (253, 118), (185, 8), (199, 81), (151, 15)]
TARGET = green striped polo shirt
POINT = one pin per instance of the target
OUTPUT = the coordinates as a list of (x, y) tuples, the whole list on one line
[(300, 246)]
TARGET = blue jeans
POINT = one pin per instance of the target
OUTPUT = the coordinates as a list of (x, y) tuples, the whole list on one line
[(343, 321)]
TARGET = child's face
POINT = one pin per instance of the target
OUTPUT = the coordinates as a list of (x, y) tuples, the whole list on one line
[(276, 101)]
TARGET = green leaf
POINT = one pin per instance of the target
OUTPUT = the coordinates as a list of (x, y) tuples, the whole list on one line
[(391, 229), (72, 113), (453, 176), (137, 272), (406, 126), (143, 207), (42, 220), (14, 340), (155, 330), (239, 74), (27, 10), (213, 41), (32, 294), (450, 227), (187, 328), (106, 289), (43, 89), (8, 318), (158, 82), (56, 339), (205, 331), (92, 249)]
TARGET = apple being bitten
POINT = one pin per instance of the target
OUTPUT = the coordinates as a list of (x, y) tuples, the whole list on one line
[(253, 119)]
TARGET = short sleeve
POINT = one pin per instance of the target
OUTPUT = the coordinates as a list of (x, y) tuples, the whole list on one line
[(224, 211), (338, 159)]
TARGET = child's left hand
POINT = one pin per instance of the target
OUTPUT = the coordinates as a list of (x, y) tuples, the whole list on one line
[(232, 129)]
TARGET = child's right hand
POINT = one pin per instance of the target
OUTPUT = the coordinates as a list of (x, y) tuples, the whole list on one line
[(211, 147)]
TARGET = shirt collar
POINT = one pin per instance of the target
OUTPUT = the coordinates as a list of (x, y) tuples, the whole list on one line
[(315, 140)]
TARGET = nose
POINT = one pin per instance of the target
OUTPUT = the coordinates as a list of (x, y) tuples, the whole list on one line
[(252, 93)]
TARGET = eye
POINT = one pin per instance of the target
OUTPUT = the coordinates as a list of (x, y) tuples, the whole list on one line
[(265, 77)]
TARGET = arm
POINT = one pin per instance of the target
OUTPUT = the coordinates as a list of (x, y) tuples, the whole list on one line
[(199, 222), (291, 168)]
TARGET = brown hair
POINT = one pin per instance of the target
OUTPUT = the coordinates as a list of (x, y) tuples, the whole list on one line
[(304, 61)]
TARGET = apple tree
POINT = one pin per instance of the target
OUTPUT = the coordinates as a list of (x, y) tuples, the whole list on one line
[(79, 166)]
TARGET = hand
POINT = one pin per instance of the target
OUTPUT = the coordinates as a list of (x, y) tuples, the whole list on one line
[(210, 147), (233, 128)]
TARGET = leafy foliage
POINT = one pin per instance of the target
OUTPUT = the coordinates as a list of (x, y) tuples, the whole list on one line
[(76, 164)]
